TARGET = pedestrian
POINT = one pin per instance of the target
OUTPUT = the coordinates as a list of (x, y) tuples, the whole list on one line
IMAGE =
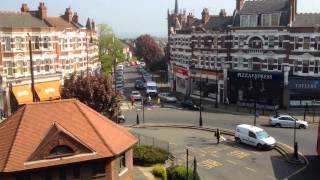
[(218, 134), (158, 100), (132, 100)]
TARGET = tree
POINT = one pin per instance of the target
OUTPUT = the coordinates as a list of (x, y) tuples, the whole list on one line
[(108, 44), (95, 91), (147, 48)]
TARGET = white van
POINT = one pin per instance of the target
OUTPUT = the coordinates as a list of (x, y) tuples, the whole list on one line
[(254, 136), (120, 67), (151, 88)]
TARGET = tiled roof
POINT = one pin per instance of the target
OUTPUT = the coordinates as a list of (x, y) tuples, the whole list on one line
[(22, 133), (307, 20), (218, 22), (60, 23), (11, 19)]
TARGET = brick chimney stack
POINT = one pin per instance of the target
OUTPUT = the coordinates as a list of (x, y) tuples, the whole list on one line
[(240, 4), (68, 14), (42, 11), (223, 13), (205, 16), (93, 25), (24, 8), (75, 18), (293, 9), (190, 19)]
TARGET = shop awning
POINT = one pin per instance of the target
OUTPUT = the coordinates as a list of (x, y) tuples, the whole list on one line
[(48, 90), (22, 93)]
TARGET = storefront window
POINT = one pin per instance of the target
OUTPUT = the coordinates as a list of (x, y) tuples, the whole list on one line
[(270, 64), (208, 87)]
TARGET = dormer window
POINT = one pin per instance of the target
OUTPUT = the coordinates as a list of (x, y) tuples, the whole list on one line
[(60, 151), (248, 20), (270, 20)]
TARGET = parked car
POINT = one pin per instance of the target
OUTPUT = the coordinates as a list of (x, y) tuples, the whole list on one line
[(121, 118), (142, 64), (188, 103), (120, 67), (136, 95), (119, 84), (139, 85), (167, 97), (254, 136), (287, 121)]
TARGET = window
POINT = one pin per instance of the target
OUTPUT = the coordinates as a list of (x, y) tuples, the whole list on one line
[(305, 68), (19, 67), (61, 150), (7, 41), (316, 67), (281, 38), (280, 61), (241, 41), (296, 42), (37, 42), (270, 20), (271, 41), (18, 43), (252, 135), (306, 43), (9, 68), (99, 169), (248, 20), (76, 172), (122, 163), (38, 65), (270, 64), (317, 45), (47, 65), (46, 42)]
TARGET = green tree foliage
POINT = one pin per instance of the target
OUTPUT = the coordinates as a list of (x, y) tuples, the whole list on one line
[(179, 172), (95, 91), (160, 172), (147, 49), (147, 155), (108, 44), (158, 65)]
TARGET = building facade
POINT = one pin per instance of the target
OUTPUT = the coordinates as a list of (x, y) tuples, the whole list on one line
[(262, 40), (60, 46), (64, 145)]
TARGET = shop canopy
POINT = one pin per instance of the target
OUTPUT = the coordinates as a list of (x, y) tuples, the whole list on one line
[(22, 93), (48, 90)]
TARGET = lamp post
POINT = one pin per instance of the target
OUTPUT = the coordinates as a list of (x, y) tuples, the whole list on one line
[(200, 111), (295, 143), (31, 70), (114, 64), (217, 83)]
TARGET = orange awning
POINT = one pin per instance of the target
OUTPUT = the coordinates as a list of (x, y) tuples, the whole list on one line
[(48, 90), (22, 93)]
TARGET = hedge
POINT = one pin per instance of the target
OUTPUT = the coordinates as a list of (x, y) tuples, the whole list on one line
[(160, 172), (179, 172), (147, 155)]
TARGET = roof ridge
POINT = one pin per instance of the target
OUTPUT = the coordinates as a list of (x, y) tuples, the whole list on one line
[(49, 102), (90, 123), (14, 137)]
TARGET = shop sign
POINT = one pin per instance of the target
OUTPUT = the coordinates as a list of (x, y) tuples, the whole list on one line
[(304, 84), (255, 76), (180, 70)]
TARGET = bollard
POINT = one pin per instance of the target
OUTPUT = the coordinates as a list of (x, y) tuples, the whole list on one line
[(138, 121)]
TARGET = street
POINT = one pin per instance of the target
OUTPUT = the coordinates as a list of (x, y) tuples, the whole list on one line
[(305, 137)]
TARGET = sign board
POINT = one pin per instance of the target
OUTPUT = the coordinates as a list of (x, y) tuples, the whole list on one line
[(304, 84), (255, 76)]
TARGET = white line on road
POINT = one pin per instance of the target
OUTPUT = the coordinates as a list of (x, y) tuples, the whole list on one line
[(231, 162), (250, 169)]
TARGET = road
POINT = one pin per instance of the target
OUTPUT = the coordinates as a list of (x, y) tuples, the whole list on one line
[(306, 137)]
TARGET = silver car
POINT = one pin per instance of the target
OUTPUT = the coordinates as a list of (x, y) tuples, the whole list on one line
[(287, 121), (167, 97)]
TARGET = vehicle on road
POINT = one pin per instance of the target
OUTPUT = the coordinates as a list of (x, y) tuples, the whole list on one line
[(190, 104), (120, 67), (142, 64), (151, 88), (121, 118), (254, 136), (139, 85), (167, 97), (287, 121), (136, 95)]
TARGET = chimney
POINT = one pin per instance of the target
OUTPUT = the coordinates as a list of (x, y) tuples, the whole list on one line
[(293, 9), (93, 25), (24, 8), (205, 15), (240, 4), (75, 18), (223, 13), (190, 19), (42, 11), (68, 14)]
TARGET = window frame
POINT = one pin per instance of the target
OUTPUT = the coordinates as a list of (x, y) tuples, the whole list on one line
[(122, 164), (18, 43), (252, 135), (7, 43)]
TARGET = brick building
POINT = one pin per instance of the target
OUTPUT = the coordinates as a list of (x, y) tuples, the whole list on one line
[(60, 46), (264, 52), (64, 140)]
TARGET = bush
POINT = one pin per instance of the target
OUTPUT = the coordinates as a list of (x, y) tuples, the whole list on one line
[(147, 155), (160, 172), (179, 172)]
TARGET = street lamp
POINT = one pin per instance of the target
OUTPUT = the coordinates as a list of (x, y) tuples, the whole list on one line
[(31, 70), (217, 83), (295, 147), (200, 111)]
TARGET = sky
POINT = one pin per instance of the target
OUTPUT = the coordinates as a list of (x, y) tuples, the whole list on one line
[(131, 18)]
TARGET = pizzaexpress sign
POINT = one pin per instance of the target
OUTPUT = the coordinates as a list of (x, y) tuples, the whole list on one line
[(255, 76)]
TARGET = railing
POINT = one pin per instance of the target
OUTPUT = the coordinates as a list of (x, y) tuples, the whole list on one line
[(255, 51)]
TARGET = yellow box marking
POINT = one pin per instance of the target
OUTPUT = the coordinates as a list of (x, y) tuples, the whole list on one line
[(238, 154), (209, 164)]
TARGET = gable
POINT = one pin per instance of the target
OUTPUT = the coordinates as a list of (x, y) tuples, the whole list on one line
[(57, 136)]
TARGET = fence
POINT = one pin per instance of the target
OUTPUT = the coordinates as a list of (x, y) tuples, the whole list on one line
[(151, 141)]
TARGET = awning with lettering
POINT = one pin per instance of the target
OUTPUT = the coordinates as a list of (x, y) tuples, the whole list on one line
[(48, 90), (22, 93)]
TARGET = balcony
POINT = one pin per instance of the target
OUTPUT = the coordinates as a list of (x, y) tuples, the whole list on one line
[(255, 51)]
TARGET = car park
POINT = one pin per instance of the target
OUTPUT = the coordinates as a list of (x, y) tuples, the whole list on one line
[(167, 97), (287, 121), (136, 95), (139, 85), (188, 103), (254, 136)]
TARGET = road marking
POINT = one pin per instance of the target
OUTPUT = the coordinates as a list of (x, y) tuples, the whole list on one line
[(209, 164), (238, 154), (231, 162), (250, 169), (256, 153)]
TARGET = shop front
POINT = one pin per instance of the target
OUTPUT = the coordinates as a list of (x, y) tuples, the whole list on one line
[(181, 80), (249, 87), (303, 91)]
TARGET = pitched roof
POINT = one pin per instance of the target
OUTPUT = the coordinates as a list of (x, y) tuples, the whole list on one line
[(12, 19), (61, 24), (307, 20), (218, 22), (24, 131)]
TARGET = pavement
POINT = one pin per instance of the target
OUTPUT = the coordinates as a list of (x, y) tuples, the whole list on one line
[(216, 161)]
